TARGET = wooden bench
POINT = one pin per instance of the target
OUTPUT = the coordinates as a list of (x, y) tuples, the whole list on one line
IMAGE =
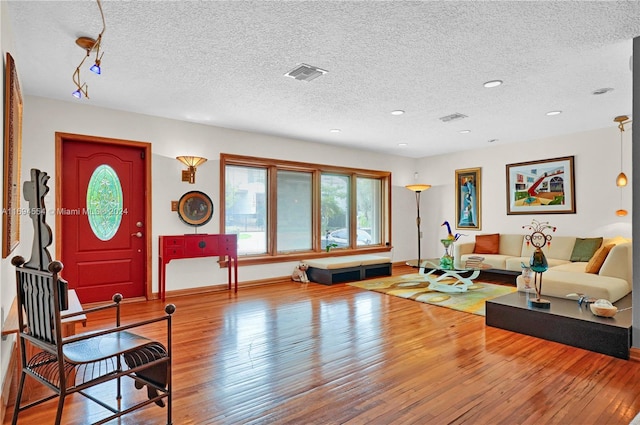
[(349, 268)]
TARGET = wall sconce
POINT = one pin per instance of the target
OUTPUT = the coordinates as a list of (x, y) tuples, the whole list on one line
[(192, 162), (89, 45)]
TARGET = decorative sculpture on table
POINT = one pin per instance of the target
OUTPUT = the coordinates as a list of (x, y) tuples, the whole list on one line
[(538, 262), (446, 261)]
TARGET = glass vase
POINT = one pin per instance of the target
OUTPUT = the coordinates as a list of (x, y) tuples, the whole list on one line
[(446, 261)]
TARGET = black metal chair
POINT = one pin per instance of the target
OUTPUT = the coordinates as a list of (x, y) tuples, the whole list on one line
[(72, 364)]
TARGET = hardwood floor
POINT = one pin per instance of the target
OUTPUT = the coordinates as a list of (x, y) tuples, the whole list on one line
[(296, 353)]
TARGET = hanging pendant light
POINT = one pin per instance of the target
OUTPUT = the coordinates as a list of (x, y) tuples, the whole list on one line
[(621, 180)]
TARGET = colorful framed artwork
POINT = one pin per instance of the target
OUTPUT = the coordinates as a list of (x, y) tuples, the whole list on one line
[(195, 208), (12, 158), (469, 199), (541, 187)]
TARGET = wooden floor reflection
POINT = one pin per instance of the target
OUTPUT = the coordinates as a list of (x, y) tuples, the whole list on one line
[(294, 353)]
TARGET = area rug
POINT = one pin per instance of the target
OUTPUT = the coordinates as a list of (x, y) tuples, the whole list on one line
[(415, 287)]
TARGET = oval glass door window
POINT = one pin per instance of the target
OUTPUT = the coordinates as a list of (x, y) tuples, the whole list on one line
[(104, 202)]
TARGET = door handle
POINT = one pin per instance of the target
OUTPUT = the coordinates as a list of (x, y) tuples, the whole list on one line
[(137, 234)]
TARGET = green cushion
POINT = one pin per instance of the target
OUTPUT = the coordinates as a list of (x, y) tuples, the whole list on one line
[(584, 249)]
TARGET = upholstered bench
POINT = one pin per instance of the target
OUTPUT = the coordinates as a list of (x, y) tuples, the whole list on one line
[(343, 269)]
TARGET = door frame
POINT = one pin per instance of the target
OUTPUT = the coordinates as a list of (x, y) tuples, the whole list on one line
[(61, 138)]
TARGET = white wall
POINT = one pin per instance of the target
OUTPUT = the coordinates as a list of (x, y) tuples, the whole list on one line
[(596, 163), (596, 166), (170, 138)]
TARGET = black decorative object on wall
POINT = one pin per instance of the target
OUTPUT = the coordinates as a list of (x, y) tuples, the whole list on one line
[(195, 208)]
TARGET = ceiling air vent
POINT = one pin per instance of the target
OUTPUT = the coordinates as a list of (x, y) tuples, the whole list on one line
[(304, 72), (453, 117)]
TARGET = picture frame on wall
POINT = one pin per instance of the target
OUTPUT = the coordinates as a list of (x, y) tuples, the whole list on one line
[(12, 158), (469, 198), (541, 187)]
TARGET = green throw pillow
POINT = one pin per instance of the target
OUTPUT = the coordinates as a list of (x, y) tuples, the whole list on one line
[(584, 249)]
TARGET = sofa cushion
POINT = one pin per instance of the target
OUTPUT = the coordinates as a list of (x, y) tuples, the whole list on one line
[(495, 261), (598, 258), (511, 244), (584, 249), (575, 266), (515, 263), (615, 240), (487, 244), (619, 263), (560, 248), (562, 283)]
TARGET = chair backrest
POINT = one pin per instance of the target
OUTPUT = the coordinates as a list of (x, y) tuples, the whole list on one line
[(41, 297)]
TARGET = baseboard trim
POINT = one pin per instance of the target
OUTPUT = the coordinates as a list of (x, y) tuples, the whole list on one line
[(224, 287), (245, 284)]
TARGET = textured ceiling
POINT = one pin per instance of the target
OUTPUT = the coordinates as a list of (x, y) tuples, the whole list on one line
[(222, 63)]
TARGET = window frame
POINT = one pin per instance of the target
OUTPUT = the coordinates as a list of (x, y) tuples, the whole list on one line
[(316, 170)]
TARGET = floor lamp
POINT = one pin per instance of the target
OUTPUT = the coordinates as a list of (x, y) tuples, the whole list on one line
[(418, 188)]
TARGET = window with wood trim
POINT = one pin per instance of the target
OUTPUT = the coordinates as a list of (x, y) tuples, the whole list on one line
[(284, 208)]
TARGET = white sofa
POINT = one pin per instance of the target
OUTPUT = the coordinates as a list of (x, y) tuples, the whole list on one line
[(613, 281)]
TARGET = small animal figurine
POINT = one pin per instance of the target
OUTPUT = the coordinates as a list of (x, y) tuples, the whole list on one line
[(450, 235), (582, 298), (300, 273)]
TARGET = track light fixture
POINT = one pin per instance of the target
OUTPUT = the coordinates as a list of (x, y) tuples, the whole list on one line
[(89, 45)]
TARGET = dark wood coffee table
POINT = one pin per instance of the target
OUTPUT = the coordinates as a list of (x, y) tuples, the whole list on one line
[(566, 322)]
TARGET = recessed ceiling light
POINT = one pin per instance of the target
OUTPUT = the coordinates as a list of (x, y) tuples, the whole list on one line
[(335, 130), (492, 83), (397, 112), (403, 145), (464, 131), (552, 113)]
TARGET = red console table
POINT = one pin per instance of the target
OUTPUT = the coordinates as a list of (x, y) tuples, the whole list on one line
[(195, 246)]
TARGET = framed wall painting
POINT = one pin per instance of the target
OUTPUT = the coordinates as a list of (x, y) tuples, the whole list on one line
[(12, 158), (469, 199), (541, 187)]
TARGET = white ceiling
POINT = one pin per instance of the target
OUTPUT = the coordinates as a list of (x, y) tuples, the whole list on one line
[(222, 63)]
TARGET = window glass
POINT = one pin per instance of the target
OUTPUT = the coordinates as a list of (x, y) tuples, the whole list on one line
[(369, 201), (246, 208), (104, 202), (334, 207), (294, 226), (285, 210)]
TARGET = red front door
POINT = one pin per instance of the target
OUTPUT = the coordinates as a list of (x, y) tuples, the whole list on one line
[(102, 214)]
